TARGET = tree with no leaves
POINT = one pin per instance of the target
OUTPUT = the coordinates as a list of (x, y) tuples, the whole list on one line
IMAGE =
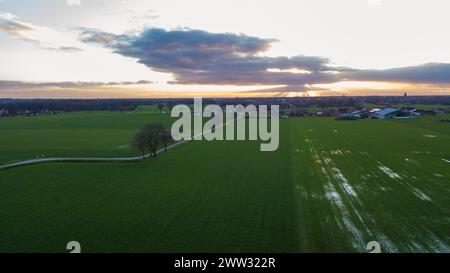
[(152, 133), (140, 142), (166, 138), (161, 107), (150, 137)]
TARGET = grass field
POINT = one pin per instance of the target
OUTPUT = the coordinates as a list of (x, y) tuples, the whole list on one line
[(72, 134), (331, 186)]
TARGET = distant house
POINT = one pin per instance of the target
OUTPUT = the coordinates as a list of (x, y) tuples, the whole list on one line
[(411, 110), (4, 113), (357, 113), (373, 111), (25, 113), (392, 113), (384, 113)]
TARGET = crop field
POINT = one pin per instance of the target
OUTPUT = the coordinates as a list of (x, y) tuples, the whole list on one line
[(332, 186), (72, 134)]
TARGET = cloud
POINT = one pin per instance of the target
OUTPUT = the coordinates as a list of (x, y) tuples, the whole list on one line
[(200, 57), (12, 26), (42, 37), (9, 85), (69, 49), (73, 2), (374, 2), (431, 73)]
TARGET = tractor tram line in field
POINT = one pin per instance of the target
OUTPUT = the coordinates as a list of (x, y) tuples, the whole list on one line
[(357, 194), (331, 187)]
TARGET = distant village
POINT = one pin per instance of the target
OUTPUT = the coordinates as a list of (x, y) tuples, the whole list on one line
[(341, 108), (348, 113), (26, 113)]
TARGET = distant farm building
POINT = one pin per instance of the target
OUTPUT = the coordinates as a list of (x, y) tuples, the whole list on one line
[(4, 113), (393, 113)]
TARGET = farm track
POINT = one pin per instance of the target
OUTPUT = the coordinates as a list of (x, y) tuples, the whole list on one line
[(98, 159), (86, 159)]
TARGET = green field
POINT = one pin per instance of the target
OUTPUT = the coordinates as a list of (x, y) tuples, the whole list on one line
[(332, 186), (73, 134)]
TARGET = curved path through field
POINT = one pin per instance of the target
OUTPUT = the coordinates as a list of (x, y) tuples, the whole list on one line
[(85, 159), (100, 159)]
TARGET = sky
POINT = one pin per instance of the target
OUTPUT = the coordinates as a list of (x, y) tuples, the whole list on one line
[(223, 48)]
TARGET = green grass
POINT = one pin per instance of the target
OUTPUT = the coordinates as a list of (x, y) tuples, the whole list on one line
[(72, 134), (331, 186), (152, 109), (371, 180)]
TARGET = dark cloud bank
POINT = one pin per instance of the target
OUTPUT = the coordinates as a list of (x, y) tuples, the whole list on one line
[(200, 57)]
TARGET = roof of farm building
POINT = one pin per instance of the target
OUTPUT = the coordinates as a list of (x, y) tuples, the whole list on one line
[(387, 111)]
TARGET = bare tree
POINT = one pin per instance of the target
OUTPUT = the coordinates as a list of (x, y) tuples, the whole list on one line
[(166, 138), (152, 133), (160, 107), (140, 142)]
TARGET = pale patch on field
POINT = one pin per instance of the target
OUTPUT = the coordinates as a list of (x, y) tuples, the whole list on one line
[(358, 239), (412, 161), (433, 244), (342, 197), (417, 248), (344, 222), (420, 194), (388, 171), (122, 147), (386, 244), (302, 191), (446, 160), (327, 160), (438, 175), (430, 136), (344, 182), (337, 152), (438, 246), (334, 196)]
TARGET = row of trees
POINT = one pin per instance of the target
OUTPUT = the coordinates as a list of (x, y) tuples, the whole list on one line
[(150, 138)]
